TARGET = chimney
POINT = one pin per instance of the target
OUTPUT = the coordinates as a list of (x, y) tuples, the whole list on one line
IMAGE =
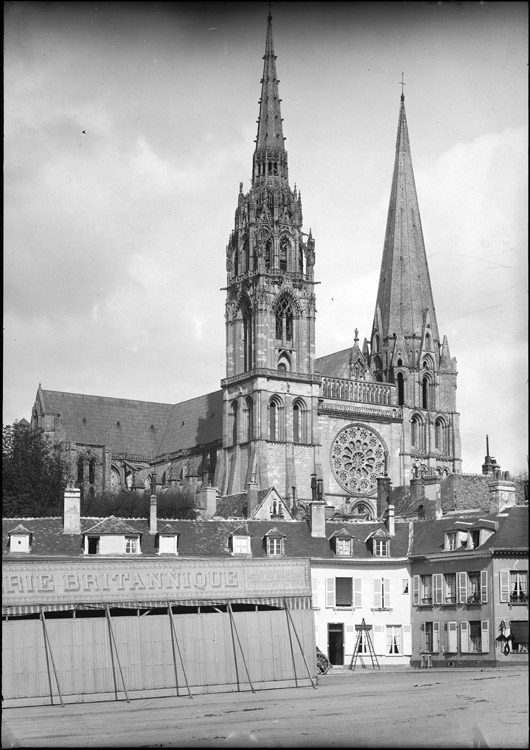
[(417, 489), (383, 495), (152, 515), (390, 522), (317, 519), (208, 500), (501, 494), (252, 497), (432, 492), (72, 511)]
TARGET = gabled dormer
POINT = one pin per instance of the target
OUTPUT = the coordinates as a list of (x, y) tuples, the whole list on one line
[(342, 543), (378, 543), (271, 507), (20, 539), (239, 542), (112, 536), (274, 542)]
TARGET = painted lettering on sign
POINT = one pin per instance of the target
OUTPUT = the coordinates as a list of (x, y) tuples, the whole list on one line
[(92, 581)]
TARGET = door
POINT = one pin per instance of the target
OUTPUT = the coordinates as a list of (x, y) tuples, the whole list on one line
[(336, 642)]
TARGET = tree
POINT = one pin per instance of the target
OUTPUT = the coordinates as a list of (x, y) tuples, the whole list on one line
[(171, 504), (33, 476)]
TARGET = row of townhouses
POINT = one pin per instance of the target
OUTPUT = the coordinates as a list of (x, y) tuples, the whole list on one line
[(261, 584)]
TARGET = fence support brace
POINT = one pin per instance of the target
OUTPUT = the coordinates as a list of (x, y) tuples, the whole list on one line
[(113, 643), (174, 640), (234, 630), (290, 619), (48, 650)]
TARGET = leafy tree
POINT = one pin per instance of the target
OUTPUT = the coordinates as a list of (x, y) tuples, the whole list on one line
[(33, 476), (170, 504)]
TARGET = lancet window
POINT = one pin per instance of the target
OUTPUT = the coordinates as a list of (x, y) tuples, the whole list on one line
[(284, 319)]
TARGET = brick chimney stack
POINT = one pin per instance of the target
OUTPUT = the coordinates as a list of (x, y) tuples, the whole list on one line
[(72, 511), (317, 519)]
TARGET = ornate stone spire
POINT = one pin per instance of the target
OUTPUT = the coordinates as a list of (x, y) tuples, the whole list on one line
[(270, 157)]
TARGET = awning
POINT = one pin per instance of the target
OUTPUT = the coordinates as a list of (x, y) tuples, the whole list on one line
[(292, 602)]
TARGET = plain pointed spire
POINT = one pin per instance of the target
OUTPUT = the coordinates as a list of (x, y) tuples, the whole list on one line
[(270, 133), (404, 294)]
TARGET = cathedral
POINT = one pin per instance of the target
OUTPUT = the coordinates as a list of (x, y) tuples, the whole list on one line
[(339, 428)]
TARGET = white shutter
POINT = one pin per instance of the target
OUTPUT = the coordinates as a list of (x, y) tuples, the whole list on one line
[(504, 581), (378, 603), (407, 639), (437, 588), (484, 587), (485, 635), (330, 592), (435, 637), (452, 637), (379, 639), (314, 592), (462, 587), (416, 585), (464, 637), (357, 592), (386, 585)]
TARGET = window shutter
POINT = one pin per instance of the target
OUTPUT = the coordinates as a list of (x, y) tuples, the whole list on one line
[(462, 587), (484, 587), (378, 603), (504, 580), (357, 592), (330, 592), (407, 639), (379, 639), (485, 634), (415, 590), (464, 637), (314, 592), (386, 585), (435, 637), (437, 583)]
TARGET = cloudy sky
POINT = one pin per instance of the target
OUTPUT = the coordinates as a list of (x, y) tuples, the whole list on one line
[(129, 126)]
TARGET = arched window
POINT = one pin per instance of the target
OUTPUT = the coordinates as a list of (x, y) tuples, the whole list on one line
[(440, 442), (284, 319), (273, 420), (425, 393), (417, 433), (401, 388), (299, 426), (246, 317), (428, 341), (249, 404), (268, 253), (234, 423), (80, 470), (92, 471), (284, 252)]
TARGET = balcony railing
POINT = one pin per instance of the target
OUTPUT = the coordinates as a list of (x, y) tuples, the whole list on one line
[(358, 390)]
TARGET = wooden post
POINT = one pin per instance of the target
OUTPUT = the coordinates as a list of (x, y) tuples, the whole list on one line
[(47, 649)]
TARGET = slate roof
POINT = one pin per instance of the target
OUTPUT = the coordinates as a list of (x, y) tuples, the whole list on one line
[(204, 538), (429, 534), (135, 428), (336, 365)]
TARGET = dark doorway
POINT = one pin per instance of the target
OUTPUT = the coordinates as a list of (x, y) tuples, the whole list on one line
[(336, 642)]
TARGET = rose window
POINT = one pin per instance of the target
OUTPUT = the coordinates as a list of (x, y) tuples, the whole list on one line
[(357, 459)]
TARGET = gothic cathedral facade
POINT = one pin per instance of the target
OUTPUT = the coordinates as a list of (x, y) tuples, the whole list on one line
[(339, 422)]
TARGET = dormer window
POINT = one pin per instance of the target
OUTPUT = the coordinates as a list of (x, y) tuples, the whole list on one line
[(275, 546), (381, 547), (132, 545), (450, 540), (241, 544), (20, 539), (167, 541), (343, 547), (473, 538)]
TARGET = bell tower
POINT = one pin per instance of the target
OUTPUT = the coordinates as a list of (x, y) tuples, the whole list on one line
[(270, 390), (406, 348)]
